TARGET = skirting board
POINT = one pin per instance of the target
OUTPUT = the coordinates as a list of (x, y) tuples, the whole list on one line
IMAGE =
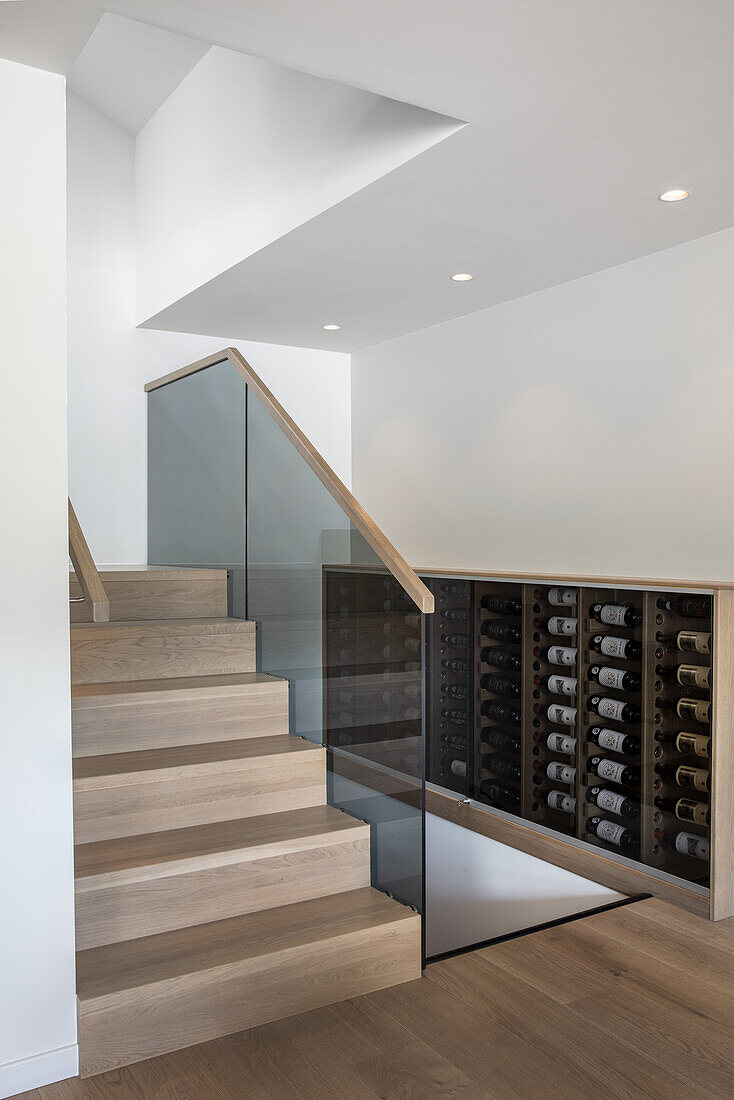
[(39, 1070)]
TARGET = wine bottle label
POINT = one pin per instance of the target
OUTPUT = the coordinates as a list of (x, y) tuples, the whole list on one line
[(693, 641), (560, 773), (565, 716), (613, 614), (561, 655), (562, 685), (610, 831), (613, 647), (557, 800), (610, 677), (697, 778), (610, 708), (689, 845), (611, 739), (557, 624), (609, 800), (696, 676), (609, 769), (562, 597), (698, 744), (458, 767), (698, 709), (688, 810), (561, 742)]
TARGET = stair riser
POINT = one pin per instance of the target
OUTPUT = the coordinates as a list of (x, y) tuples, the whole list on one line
[(101, 726), (122, 654), (138, 1023), (153, 596), (129, 911), (269, 784)]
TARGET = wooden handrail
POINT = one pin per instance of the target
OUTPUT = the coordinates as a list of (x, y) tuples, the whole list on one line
[(86, 572), (389, 556)]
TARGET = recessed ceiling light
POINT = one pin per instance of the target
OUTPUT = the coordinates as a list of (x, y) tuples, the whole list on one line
[(462, 277), (674, 196), (331, 328)]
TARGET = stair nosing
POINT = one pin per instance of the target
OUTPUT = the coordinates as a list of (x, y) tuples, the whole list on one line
[(216, 682)]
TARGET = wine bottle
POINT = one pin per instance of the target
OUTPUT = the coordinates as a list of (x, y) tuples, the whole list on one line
[(616, 678), (500, 632), (686, 844), (505, 769), (686, 776), (501, 658), (501, 712), (390, 652), (616, 614), (689, 744), (505, 797), (558, 625), (614, 709), (698, 710), (558, 800), (562, 716), (612, 833), (454, 741), (688, 607), (456, 664), (457, 641), (687, 641), (614, 741), (502, 605), (454, 766), (501, 685), (502, 740), (614, 802), (609, 646), (557, 655), (455, 588), (562, 597), (614, 772), (455, 691), (686, 809), (556, 771), (456, 614), (693, 676), (557, 685), (455, 715), (557, 742)]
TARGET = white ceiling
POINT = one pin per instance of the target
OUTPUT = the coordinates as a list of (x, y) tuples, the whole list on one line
[(127, 69), (580, 113)]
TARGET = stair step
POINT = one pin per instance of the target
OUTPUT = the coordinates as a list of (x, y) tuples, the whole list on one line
[(149, 714), (142, 885), (155, 593), (160, 649), (145, 997), (125, 794)]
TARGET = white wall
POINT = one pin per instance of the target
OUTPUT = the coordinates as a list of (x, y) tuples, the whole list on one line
[(586, 428), (110, 360), (37, 986)]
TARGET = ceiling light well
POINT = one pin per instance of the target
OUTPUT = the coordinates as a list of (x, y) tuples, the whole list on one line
[(674, 195), (461, 277)]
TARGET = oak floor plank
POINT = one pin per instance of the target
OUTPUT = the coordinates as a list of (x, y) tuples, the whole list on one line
[(414, 1072)]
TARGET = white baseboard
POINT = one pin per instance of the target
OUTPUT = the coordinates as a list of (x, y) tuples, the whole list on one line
[(41, 1069)]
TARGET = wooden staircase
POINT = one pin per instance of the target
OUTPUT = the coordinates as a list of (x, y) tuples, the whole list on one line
[(215, 888)]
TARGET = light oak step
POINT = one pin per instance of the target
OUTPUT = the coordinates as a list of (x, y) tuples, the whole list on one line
[(144, 997), (105, 652), (148, 714), (140, 886), (154, 593), (125, 794)]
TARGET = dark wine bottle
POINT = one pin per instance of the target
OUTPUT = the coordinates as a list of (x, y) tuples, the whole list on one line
[(685, 844), (556, 771), (614, 709), (687, 641), (453, 766), (562, 597), (557, 685), (688, 607), (688, 676), (455, 691), (686, 809), (502, 605), (502, 740), (559, 800), (456, 664), (454, 741), (500, 632), (557, 742), (615, 678), (501, 712), (455, 715), (456, 614), (455, 588), (686, 776), (505, 797), (689, 744), (697, 710), (501, 767), (614, 802), (616, 614), (456, 641), (614, 772), (558, 625), (557, 655), (614, 741), (501, 685), (610, 646), (612, 833), (563, 716), (501, 658)]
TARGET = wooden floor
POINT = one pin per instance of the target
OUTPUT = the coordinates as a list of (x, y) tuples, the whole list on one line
[(634, 1002)]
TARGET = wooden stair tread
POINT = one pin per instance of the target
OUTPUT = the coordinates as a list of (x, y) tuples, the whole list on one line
[(113, 968), (156, 572), (115, 769), (175, 683), (124, 859), (207, 625)]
